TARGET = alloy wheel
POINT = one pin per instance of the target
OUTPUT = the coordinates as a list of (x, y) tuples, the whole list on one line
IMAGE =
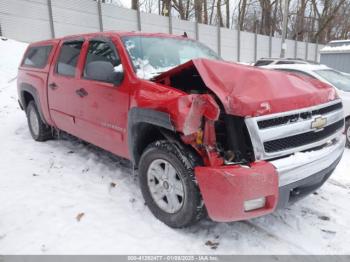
[(166, 186)]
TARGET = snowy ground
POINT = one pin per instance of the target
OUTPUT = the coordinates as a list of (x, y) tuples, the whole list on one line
[(67, 197)]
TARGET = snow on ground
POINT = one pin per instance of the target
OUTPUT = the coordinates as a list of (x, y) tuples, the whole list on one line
[(45, 187)]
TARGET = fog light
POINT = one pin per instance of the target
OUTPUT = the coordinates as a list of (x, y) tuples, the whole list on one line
[(254, 204)]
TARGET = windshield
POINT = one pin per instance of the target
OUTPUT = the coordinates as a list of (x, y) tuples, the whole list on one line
[(152, 56), (339, 80)]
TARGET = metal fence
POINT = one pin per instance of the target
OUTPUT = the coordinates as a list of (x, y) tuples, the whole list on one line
[(33, 20)]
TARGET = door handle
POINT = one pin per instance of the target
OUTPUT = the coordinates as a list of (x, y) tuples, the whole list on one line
[(53, 85), (81, 92)]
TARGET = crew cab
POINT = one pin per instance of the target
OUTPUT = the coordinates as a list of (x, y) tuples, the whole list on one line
[(205, 135)]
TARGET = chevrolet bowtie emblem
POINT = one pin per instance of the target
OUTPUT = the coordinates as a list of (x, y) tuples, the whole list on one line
[(319, 123)]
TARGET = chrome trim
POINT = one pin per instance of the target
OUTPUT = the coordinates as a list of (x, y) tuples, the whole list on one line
[(303, 165), (260, 136), (299, 127), (298, 111)]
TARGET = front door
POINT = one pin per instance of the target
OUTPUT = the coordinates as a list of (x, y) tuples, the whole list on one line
[(104, 105), (62, 85)]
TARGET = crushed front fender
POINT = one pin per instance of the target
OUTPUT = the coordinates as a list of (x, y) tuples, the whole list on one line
[(186, 110)]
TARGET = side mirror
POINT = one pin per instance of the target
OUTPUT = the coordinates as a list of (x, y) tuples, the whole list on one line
[(118, 74), (103, 71)]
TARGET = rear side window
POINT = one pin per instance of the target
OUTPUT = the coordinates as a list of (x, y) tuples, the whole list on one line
[(37, 56), (68, 59)]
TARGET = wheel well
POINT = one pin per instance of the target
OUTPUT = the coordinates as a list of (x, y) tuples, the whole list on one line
[(29, 93), (146, 134), (27, 98), (146, 126), (347, 118)]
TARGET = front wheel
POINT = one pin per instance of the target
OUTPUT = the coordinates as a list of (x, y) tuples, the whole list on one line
[(347, 132), (168, 184)]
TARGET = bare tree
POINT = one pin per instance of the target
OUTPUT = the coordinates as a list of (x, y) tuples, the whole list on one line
[(300, 22), (205, 11), (198, 9), (242, 13), (212, 12), (166, 7), (180, 8), (325, 17), (135, 4), (266, 16), (313, 20), (227, 13), (219, 14)]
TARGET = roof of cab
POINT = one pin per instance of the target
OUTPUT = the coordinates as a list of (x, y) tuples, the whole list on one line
[(108, 34)]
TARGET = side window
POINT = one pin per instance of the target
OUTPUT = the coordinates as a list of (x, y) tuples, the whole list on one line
[(68, 58), (37, 56), (101, 55)]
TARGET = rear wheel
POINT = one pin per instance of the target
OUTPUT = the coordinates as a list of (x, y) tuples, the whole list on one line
[(347, 132), (38, 129), (168, 184)]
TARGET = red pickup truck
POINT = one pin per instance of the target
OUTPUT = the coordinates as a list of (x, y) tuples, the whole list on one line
[(206, 136)]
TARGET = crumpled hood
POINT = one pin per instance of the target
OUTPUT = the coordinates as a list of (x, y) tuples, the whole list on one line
[(250, 91)]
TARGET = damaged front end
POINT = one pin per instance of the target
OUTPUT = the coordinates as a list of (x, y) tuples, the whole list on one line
[(211, 104)]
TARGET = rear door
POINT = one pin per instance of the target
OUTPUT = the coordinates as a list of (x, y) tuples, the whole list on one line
[(64, 103), (104, 105)]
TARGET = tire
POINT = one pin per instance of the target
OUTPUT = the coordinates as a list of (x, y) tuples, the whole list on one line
[(182, 209), (38, 129), (347, 132)]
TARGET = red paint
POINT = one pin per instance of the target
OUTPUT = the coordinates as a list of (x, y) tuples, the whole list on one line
[(38, 78), (101, 117), (185, 110), (225, 188), (250, 91)]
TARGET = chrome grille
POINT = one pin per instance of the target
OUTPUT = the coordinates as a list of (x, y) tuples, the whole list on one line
[(302, 139), (285, 133), (299, 116)]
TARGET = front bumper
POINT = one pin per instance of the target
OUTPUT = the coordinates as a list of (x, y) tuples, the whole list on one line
[(225, 188), (303, 173)]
